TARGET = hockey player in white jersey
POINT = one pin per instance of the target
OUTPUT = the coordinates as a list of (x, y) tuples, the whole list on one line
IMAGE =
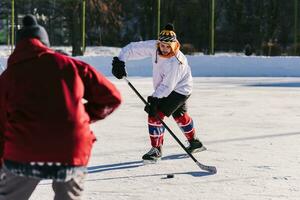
[(172, 81)]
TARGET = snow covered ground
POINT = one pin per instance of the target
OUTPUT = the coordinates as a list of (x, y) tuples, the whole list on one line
[(249, 125)]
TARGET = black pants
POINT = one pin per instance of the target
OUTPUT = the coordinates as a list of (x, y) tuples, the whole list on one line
[(174, 104)]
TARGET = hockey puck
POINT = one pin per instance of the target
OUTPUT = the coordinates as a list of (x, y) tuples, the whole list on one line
[(170, 175)]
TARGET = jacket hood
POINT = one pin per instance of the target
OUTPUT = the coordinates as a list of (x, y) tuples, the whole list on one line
[(27, 49)]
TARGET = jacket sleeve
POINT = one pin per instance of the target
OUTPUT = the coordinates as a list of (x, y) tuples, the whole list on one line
[(101, 95), (138, 50)]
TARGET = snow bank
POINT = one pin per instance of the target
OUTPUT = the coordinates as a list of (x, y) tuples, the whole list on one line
[(214, 66), (238, 66), (203, 65)]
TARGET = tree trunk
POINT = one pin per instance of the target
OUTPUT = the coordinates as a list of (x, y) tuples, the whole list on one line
[(76, 34), (76, 29)]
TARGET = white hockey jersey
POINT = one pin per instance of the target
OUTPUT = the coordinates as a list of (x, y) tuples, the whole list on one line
[(168, 73)]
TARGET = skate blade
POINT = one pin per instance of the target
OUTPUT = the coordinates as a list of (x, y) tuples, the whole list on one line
[(203, 148), (149, 162)]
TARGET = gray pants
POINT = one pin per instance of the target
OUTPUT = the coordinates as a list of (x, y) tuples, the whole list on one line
[(13, 187)]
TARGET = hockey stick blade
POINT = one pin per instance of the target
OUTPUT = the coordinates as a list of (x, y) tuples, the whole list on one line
[(211, 169)]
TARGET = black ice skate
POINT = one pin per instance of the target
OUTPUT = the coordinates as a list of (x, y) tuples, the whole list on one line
[(195, 146), (152, 156)]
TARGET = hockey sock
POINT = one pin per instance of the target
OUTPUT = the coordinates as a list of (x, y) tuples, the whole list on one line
[(156, 130), (185, 123)]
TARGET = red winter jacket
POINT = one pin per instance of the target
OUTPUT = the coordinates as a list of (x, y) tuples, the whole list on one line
[(42, 114)]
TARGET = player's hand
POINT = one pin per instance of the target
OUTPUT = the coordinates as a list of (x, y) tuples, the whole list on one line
[(151, 107), (118, 68)]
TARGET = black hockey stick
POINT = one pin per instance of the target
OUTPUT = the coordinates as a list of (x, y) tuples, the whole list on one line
[(211, 169)]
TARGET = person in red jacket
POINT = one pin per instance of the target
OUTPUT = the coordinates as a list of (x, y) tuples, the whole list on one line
[(44, 122)]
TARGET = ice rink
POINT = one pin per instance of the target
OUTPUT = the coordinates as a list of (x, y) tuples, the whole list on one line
[(250, 126)]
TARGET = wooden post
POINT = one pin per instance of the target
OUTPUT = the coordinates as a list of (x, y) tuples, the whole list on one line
[(12, 24), (212, 28), (83, 25), (296, 27), (158, 17)]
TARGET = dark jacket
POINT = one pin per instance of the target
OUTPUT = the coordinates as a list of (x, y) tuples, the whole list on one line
[(42, 114)]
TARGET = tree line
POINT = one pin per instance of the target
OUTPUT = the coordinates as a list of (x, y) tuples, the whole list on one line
[(258, 26)]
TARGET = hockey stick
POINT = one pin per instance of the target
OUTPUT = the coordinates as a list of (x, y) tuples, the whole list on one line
[(211, 169)]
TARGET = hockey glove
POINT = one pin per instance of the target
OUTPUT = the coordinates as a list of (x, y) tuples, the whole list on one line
[(118, 68), (151, 107)]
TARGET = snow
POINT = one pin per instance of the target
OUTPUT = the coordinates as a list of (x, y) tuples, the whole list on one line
[(220, 65), (213, 66), (246, 111)]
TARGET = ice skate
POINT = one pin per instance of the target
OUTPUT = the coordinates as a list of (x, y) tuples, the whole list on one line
[(152, 156), (195, 146)]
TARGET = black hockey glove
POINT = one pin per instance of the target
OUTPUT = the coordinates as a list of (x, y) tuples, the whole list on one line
[(118, 68), (151, 107)]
